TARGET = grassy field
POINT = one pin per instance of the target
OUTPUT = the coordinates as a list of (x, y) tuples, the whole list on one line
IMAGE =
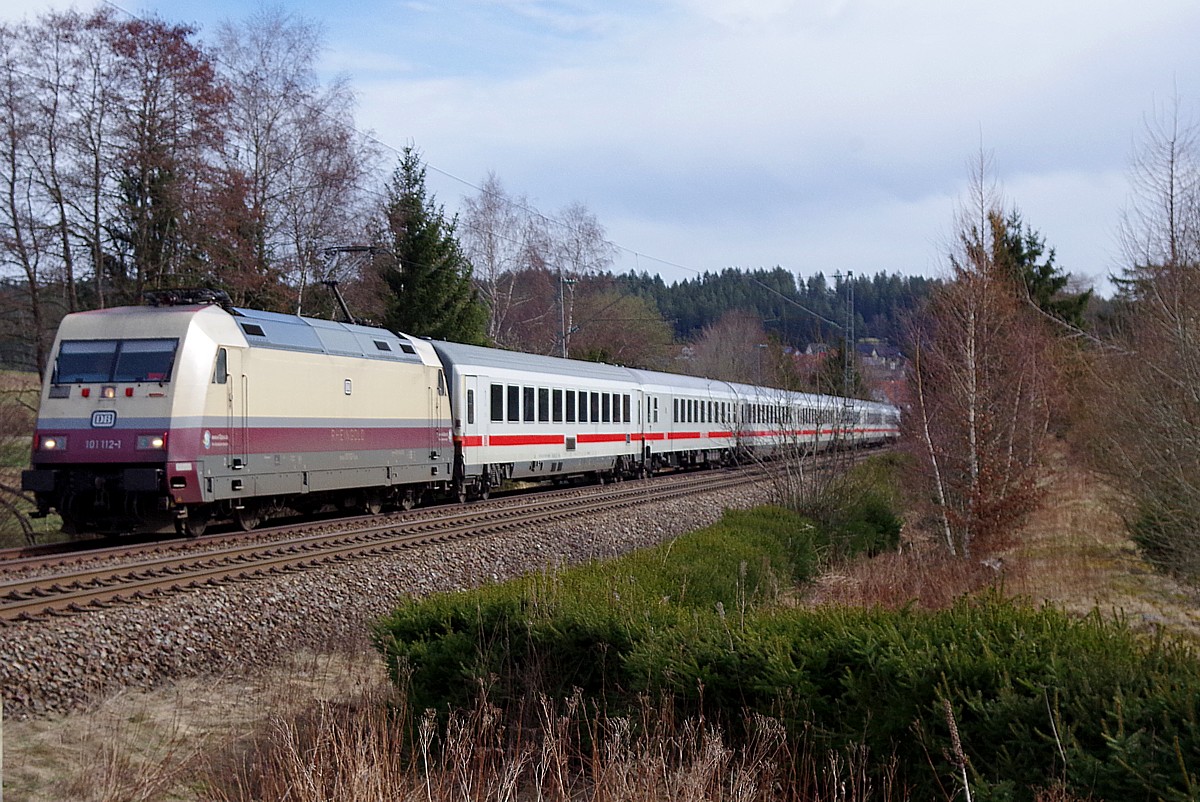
[(175, 743)]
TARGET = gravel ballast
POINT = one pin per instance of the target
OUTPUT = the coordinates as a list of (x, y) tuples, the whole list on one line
[(58, 665)]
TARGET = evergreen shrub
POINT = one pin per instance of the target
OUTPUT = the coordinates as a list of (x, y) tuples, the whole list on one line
[(1041, 699)]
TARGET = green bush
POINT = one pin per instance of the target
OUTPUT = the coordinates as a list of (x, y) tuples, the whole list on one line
[(553, 632), (1038, 697)]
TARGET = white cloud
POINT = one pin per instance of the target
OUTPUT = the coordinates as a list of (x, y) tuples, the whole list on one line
[(817, 134)]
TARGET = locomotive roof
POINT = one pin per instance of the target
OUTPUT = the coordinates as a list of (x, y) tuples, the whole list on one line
[(296, 333)]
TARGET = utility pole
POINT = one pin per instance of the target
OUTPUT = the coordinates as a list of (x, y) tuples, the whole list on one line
[(564, 322), (848, 344)]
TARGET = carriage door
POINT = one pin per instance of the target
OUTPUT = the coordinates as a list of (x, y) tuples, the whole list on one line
[(236, 414), (475, 410), (439, 406)]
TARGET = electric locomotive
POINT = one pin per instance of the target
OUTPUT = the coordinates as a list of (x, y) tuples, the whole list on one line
[(193, 410)]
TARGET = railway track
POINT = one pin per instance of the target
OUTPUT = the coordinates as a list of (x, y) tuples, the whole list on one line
[(81, 582)]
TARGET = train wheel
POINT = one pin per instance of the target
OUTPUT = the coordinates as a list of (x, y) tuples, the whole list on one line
[(373, 505), (408, 499), (192, 526), (247, 518)]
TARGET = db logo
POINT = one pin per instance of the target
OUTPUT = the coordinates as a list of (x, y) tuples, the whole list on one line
[(104, 419)]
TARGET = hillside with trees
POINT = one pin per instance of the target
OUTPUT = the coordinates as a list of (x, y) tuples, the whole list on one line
[(793, 310)]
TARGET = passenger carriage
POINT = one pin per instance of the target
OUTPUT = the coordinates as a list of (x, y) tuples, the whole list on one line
[(525, 416)]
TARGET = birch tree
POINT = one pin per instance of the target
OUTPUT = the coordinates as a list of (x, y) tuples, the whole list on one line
[(985, 378)]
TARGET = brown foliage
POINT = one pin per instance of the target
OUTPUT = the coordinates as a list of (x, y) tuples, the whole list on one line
[(985, 379)]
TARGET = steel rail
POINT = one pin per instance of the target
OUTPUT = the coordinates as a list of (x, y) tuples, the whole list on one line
[(93, 588)]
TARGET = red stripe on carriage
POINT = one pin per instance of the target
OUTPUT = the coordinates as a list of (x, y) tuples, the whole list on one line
[(526, 440), (619, 437)]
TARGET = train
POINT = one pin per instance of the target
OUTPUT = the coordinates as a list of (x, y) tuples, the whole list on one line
[(188, 410)]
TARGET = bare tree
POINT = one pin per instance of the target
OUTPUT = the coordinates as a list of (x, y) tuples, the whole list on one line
[(492, 230), (735, 348), (294, 141), (25, 239), (985, 379), (1143, 430), (1161, 226), (619, 329)]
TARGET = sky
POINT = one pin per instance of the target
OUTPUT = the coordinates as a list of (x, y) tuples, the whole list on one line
[(816, 135)]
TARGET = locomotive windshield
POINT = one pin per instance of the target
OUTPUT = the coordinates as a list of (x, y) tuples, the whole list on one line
[(81, 361)]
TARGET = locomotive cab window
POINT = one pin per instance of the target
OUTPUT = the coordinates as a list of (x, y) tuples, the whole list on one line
[(221, 371), (81, 361)]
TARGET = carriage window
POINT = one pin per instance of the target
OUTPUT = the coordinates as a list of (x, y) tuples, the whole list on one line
[(497, 402), (604, 407), (570, 406), (595, 407), (558, 406), (514, 403), (625, 409), (656, 409), (675, 411), (527, 399), (221, 371), (543, 405), (583, 406), (470, 406), (114, 361)]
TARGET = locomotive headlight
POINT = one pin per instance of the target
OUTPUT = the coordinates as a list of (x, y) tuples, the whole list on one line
[(108, 391), (52, 442), (151, 442)]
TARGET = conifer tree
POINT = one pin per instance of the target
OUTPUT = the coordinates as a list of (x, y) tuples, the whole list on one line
[(1019, 248), (423, 265)]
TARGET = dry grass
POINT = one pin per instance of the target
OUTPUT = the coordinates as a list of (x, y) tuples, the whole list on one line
[(357, 751), (153, 745), (1073, 552)]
